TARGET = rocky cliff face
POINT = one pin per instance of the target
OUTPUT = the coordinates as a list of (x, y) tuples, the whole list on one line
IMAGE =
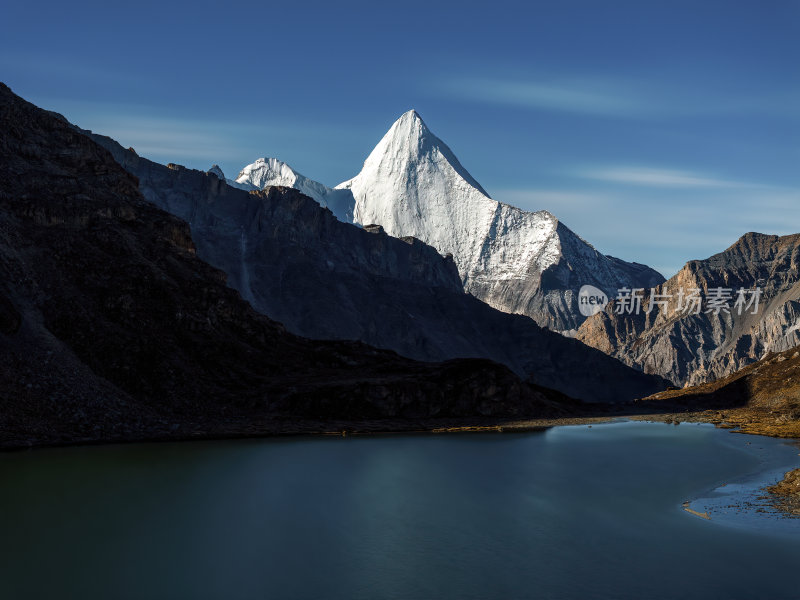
[(696, 348), (112, 328), (322, 278)]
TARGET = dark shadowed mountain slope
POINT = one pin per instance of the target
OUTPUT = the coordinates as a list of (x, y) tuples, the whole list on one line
[(111, 327), (294, 261)]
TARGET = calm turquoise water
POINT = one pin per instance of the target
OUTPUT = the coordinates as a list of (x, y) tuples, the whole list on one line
[(573, 512)]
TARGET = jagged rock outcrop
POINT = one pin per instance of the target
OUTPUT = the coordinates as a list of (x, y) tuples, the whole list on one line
[(113, 329), (696, 348), (323, 278)]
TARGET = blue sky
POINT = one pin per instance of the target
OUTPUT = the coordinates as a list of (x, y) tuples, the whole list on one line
[(658, 131)]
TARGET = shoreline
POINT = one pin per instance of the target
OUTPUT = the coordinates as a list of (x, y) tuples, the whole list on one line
[(307, 428), (278, 427), (783, 499), (749, 501)]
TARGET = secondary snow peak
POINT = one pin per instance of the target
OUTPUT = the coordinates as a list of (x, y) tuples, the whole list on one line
[(266, 172)]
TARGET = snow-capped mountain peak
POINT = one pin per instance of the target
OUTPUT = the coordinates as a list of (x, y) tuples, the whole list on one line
[(266, 172), (410, 140), (413, 184)]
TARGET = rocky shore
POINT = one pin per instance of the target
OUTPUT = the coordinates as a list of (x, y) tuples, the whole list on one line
[(787, 492)]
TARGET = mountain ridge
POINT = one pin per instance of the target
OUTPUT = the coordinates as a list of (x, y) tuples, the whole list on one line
[(518, 261), (324, 278)]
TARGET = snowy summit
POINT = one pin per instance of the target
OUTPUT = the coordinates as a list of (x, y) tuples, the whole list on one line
[(266, 172)]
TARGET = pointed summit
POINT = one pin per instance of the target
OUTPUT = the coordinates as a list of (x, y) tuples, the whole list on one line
[(409, 123), (409, 142), (409, 137), (413, 184), (411, 115), (408, 128)]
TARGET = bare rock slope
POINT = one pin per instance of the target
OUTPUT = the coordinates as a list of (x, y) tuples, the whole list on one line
[(691, 348)]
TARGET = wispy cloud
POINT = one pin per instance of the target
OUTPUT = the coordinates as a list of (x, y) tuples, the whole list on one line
[(560, 96), (618, 97), (165, 138), (654, 177)]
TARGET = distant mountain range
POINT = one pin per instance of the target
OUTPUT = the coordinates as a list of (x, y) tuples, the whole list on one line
[(326, 279), (413, 183), (116, 324), (522, 262), (530, 263)]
